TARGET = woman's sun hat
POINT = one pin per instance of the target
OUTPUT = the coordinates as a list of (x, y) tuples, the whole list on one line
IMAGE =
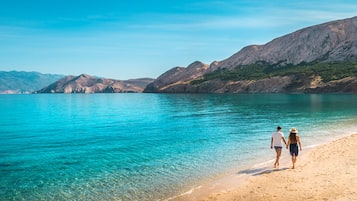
[(293, 130)]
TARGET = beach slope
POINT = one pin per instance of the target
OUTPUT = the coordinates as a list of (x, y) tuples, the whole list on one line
[(328, 172)]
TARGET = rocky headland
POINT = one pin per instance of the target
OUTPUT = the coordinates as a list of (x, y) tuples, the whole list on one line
[(90, 84)]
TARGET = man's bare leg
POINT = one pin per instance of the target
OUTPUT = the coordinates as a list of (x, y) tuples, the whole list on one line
[(278, 153)]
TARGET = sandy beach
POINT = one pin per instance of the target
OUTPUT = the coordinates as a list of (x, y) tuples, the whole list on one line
[(327, 172)]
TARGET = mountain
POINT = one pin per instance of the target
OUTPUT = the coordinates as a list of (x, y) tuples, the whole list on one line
[(90, 84), (321, 58), (24, 82), (178, 75)]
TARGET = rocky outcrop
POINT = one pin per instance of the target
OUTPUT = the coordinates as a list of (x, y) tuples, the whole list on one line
[(284, 84), (330, 42), (345, 85), (90, 84), (269, 85)]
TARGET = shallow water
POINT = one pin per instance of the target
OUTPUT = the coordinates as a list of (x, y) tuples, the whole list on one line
[(148, 146)]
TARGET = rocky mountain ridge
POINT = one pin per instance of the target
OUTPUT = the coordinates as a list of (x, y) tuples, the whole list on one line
[(90, 84), (328, 42), (331, 42)]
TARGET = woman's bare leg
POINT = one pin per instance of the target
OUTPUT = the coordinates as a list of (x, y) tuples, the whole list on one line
[(293, 159)]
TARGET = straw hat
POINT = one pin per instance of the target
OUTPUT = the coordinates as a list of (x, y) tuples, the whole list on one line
[(293, 130)]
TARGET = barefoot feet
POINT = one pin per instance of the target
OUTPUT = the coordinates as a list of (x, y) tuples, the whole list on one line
[(276, 165)]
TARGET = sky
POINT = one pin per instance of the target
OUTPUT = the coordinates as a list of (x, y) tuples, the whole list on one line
[(127, 39)]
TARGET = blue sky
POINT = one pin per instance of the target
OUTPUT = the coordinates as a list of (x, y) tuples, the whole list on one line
[(126, 39)]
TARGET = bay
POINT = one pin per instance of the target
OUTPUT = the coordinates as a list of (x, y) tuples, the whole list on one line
[(149, 146)]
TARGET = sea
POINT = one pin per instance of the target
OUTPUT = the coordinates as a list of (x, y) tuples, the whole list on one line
[(139, 146)]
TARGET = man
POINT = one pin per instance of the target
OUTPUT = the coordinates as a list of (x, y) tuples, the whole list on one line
[(276, 139)]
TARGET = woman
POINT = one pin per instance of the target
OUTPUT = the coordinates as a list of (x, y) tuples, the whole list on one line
[(293, 142)]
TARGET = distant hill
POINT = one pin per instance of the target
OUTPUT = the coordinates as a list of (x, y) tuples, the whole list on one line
[(90, 84), (24, 82), (320, 58)]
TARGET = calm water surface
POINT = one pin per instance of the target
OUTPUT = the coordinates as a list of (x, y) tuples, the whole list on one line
[(148, 146)]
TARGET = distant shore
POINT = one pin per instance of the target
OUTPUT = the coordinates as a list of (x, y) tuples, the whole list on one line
[(326, 172)]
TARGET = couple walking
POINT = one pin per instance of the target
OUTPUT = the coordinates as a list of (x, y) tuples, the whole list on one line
[(293, 144)]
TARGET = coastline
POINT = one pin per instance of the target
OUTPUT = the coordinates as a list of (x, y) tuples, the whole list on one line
[(327, 171)]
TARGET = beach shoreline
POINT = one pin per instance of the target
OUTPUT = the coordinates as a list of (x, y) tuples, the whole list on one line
[(321, 174)]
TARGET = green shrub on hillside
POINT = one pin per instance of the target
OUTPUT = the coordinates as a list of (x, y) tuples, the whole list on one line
[(328, 71)]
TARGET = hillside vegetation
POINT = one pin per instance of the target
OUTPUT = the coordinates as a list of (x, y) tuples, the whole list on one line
[(327, 71)]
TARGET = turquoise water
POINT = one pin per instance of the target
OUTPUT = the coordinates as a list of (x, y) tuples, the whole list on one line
[(148, 146)]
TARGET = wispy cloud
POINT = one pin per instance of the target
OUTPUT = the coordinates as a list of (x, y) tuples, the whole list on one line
[(259, 17)]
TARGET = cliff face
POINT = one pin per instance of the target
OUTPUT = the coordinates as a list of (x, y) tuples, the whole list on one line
[(330, 42), (89, 84)]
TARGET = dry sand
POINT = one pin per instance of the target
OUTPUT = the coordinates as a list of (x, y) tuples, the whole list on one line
[(327, 172)]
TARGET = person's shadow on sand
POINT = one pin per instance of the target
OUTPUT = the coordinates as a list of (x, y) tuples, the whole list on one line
[(260, 171)]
